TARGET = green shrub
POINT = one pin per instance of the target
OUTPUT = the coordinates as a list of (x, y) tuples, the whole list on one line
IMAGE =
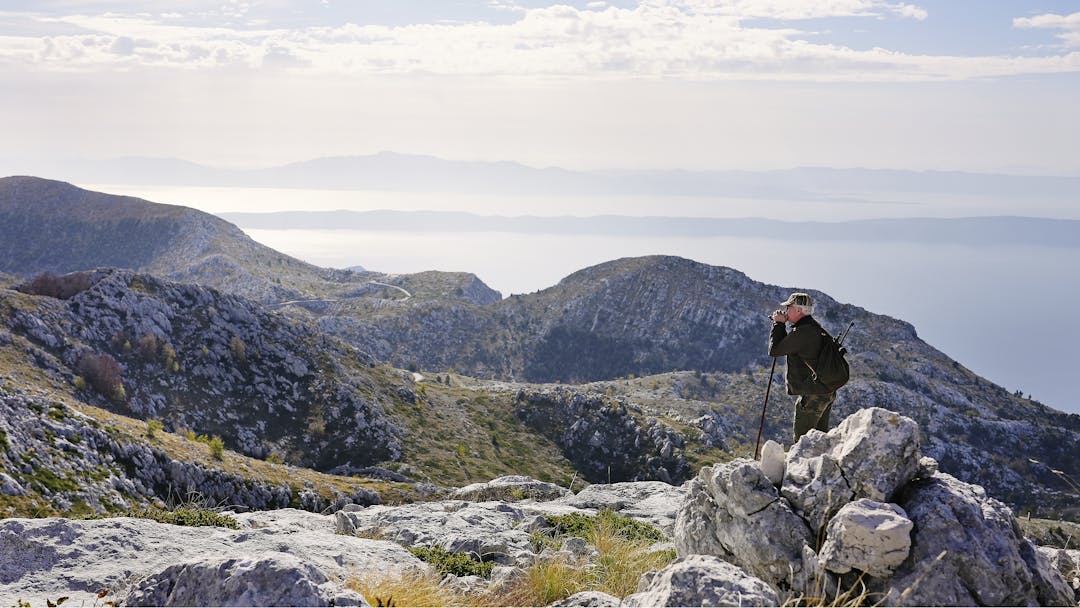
[(187, 516), (153, 426), (457, 564), (217, 447), (239, 349), (57, 411), (576, 524)]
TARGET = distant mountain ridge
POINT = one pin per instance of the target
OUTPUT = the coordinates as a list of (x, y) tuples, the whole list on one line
[(398, 172)]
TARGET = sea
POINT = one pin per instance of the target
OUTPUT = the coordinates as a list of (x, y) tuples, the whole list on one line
[(1007, 312)]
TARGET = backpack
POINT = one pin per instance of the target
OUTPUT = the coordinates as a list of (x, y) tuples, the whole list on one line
[(831, 368)]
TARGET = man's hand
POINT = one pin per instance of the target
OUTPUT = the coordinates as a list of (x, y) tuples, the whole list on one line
[(779, 316)]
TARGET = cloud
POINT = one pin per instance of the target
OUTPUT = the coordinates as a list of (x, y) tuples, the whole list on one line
[(673, 39), (1070, 37), (798, 9)]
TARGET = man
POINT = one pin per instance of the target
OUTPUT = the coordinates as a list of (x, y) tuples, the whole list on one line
[(802, 346)]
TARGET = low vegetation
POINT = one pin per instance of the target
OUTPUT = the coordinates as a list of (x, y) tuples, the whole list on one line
[(189, 515), (621, 550), (63, 286), (458, 564)]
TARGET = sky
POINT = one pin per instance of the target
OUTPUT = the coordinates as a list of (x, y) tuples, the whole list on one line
[(975, 85)]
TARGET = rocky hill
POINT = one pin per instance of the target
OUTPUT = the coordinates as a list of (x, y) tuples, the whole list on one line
[(52, 226), (648, 316), (215, 364), (115, 386)]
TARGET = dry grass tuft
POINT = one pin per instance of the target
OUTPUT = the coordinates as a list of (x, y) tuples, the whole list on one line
[(623, 554), (854, 597), (413, 588)]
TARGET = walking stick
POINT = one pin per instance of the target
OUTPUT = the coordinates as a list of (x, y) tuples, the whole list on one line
[(757, 446)]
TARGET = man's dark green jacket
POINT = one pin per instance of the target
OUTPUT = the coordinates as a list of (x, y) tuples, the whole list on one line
[(800, 346)]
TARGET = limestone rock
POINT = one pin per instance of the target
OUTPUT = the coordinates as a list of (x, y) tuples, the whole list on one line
[(703, 580), (734, 511), (1067, 562), (772, 461), (510, 488), (968, 550), (272, 579), (590, 599), (869, 536), (870, 454), (9, 486), (653, 501), (489, 530), (43, 558)]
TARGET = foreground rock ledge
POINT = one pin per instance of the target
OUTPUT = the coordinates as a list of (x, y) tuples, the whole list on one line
[(858, 501)]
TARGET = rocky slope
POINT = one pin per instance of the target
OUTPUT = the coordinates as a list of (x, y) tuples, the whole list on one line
[(621, 319), (187, 370), (214, 364), (856, 509), (58, 456)]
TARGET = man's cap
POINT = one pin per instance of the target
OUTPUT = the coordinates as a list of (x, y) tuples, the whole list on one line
[(800, 298)]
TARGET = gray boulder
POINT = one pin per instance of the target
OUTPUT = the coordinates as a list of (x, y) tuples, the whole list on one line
[(272, 579), (510, 488), (870, 454), (869, 536), (10, 487), (967, 550), (733, 511), (703, 580), (590, 599)]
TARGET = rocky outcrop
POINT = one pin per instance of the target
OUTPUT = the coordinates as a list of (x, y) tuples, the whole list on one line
[(967, 550), (271, 579), (603, 438), (487, 531), (733, 511), (510, 488), (869, 455), (142, 562), (860, 500), (217, 364), (54, 455), (284, 553), (590, 599), (703, 580)]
